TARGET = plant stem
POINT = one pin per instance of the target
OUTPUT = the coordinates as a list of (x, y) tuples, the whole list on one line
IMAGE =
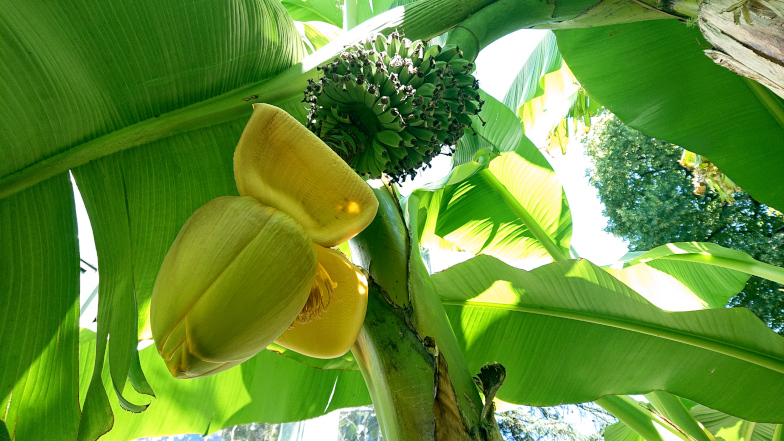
[(496, 20), (673, 409), (540, 235), (382, 249), (631, 414), (398, 372), (407, 350), (503, 17)]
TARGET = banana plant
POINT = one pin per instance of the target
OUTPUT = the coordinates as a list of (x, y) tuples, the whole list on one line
[(144, 104)]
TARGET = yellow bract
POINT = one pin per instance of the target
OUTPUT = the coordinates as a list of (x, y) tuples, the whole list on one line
[(334, 329), (234, 279), (282, 164), (242, 269)]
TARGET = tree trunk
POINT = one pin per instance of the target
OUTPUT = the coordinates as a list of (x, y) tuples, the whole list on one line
[(408, 354), (748, 38)]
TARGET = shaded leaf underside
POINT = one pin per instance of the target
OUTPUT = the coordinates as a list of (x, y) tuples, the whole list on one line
[(268, 387), (40, 315), (75, 72)]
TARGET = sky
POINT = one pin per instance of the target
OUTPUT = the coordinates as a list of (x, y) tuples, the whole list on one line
[(89, 279)]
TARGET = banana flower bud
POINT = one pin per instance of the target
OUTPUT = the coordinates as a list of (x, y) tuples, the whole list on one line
[(234, 279), (245, 271)]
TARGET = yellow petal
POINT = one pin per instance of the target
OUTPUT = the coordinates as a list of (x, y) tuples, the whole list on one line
[(235, 277), (281, 163), (332, 334)]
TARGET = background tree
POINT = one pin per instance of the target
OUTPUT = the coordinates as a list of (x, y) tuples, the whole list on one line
[(649, 200), (528, 423), (359, 424)]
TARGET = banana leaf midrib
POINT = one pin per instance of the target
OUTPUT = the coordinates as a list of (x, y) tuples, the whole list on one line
[(718, 346), (199, 115)]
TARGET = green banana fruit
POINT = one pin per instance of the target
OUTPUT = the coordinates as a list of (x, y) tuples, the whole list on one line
[(388, 105)]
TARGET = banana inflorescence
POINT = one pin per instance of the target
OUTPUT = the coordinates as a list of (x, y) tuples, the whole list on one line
[(248, 270), (390, 105)]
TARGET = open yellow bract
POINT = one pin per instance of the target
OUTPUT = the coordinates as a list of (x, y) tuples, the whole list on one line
[(245, 270), (282, 164), (335, 328)]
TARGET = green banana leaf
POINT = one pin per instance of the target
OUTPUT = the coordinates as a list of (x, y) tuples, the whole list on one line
[(4, 435), (621, 432), (680, 285), (268, 387), (569, 332), (529, 84), (656, 78), (637, 420), (498, 129), (708, 254), (39, 291), (327, 11), (370, 8), (675, 412), (664, 416), (471, 209), (545, 118), (546, 96), (317, 34), (474, 215)]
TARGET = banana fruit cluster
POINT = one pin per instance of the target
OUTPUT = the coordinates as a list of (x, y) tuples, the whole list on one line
[(248, 270), (390, 105)]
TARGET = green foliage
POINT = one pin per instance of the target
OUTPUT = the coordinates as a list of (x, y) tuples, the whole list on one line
[(655, 76), (515, 210), (144, 102), (268, 387), (649, 200)]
